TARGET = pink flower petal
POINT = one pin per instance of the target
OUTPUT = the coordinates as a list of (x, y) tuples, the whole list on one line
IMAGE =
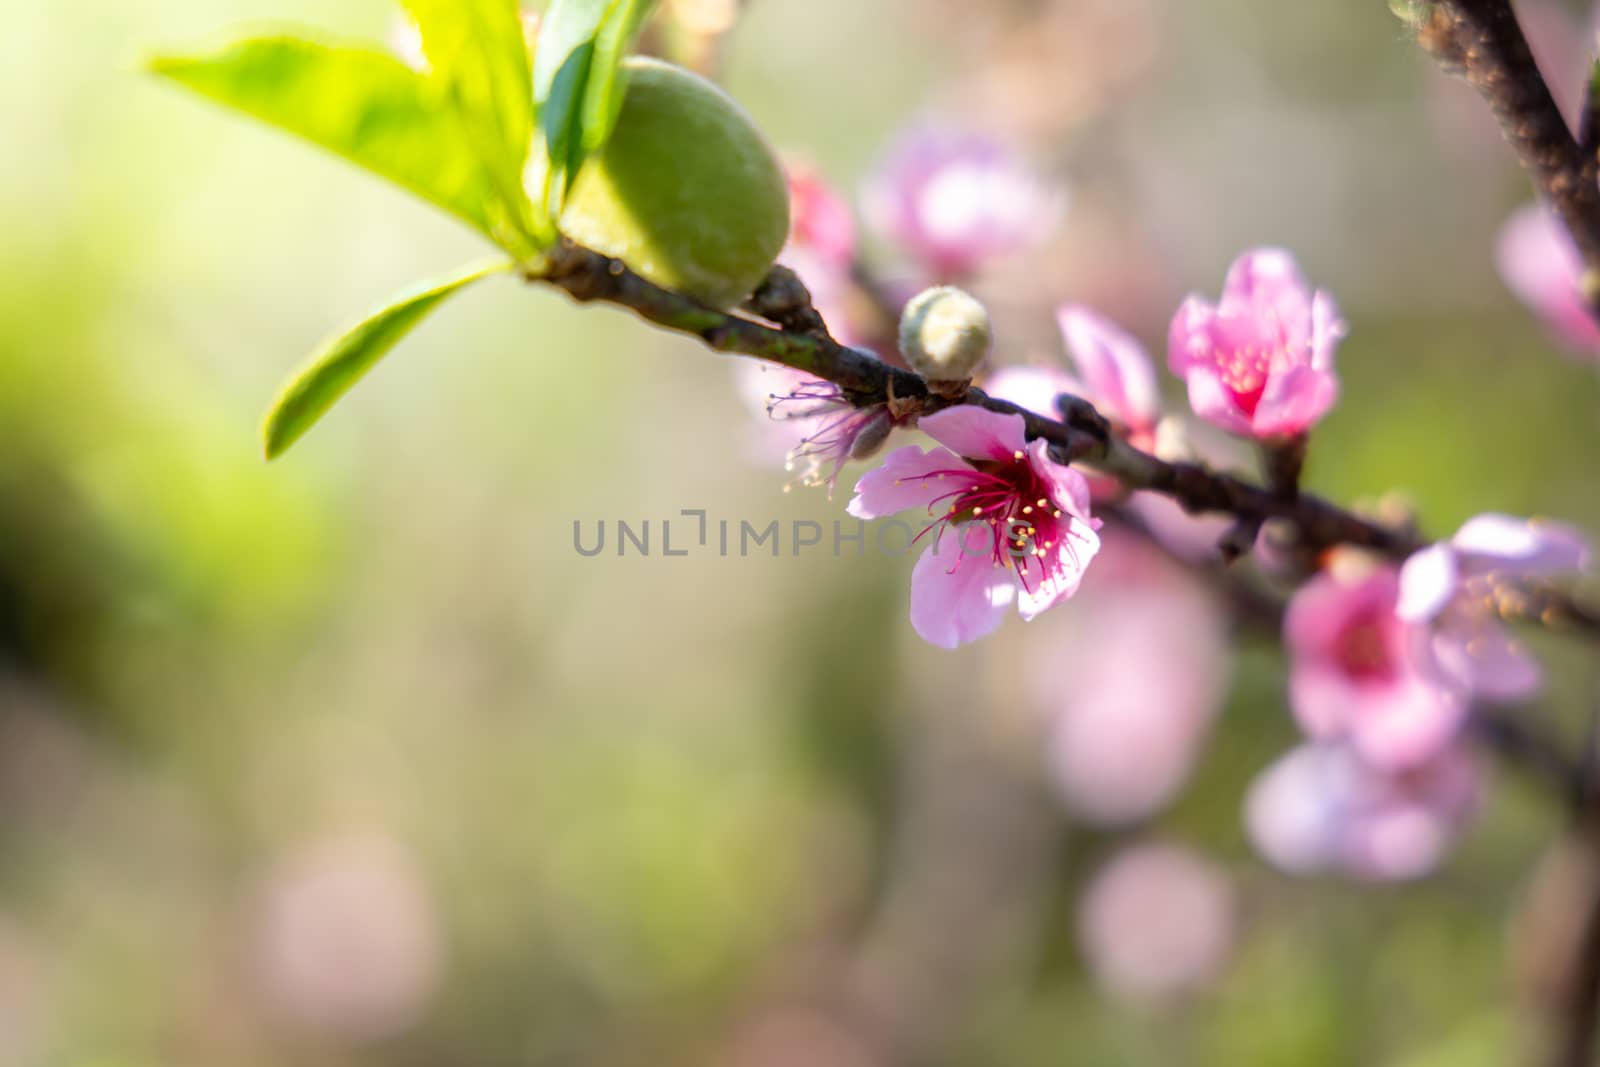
[(1211, 400), (1406, 724), (1189, 337), (1060, 572), (958, 597), (1293, 401), (1114, 366), (1321, 698), (1519, 546), (1428, 582), (1034, 388), (976, 433), (1539, 263), (1327, 330), (1068, 488), (1483, 658), (903, 482)]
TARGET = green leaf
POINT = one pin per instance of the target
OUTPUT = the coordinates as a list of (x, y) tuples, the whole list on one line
[(363, 105), (478, 53), (560, 75), (343, 359), (579, 82), (602, 100)]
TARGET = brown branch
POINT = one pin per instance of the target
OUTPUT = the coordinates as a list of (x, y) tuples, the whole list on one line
[(1482, 40), (1082, 435)]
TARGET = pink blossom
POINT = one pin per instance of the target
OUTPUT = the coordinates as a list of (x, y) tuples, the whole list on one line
[(810, 423), (1156, 921), (1451, 585), (1112, 371), (1321, 809), (820, 219), (954, 201), (1541, 265), (1361, 674), (1131, 683), (1021, 523), (348, 940), (1260, 362)]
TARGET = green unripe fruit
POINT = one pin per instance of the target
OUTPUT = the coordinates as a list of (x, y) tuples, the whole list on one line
[(944, 334), (686, 192)]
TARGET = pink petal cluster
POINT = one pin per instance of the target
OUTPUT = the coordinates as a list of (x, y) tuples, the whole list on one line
[(1131, 683), (1110, 369), (1361, 675), (1450, 586), (1541, 265), (1020, 524), (955, 201), (1260, 361), (1157, 921), (1322, 809)]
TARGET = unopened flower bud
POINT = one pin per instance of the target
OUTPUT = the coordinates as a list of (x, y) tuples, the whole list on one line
[(944, 334)]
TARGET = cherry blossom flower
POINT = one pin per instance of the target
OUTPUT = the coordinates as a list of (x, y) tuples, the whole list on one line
[(1260, 362), (1452, 586), (809, 423), (954, 201), (1322, 809), (1360, 673), (1131, 683), (1540, 264), (1020, 522), (1112, 371), (1158, 920)]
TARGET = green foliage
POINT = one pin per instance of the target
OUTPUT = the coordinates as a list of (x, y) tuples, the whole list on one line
[(478, 56), (459, 136), (579, 83), (341, 362), (363, 105)]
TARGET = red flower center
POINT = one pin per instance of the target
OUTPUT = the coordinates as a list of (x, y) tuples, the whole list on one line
[(1362, 648)]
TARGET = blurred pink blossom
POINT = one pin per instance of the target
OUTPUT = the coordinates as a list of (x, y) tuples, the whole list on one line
[(1360, 673), (1321, 809), (1450, 585), (1110, 369), (1021, 521), (954, 201), (820, 221), (347, 938), (1260, 362), (1541, 265), (1133, 687), (1156, 921)]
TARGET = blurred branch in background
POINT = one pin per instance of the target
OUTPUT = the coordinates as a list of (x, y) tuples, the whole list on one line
[(1483, 41)]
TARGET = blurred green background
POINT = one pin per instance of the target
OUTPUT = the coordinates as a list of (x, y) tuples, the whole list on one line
[(352, 759)]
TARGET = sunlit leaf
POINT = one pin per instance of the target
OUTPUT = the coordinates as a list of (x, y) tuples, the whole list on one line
[(343, 359), (561, 68), (363, 105), (602, 98), (579, 82), (476, 50)]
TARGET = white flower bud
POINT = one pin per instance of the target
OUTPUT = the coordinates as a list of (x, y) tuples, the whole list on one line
[(944, 334)]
